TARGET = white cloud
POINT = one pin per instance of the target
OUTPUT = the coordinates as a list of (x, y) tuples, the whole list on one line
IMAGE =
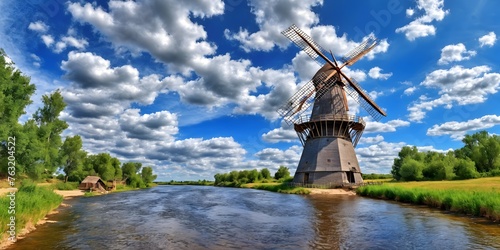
[(457, 85), (488, 40), (375, 73), (48, 40), (371, 140), (167, 33), (455, 53), (410, 90), (410, 12), (457, 130), (272, 17), (285, 133), (380, 127), (379, 157), (420, 27), (38, 26)]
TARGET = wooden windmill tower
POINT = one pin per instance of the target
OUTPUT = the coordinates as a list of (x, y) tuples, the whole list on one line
[(330, 133)]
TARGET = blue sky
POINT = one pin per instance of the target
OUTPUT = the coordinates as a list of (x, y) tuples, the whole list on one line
[(192, 87)]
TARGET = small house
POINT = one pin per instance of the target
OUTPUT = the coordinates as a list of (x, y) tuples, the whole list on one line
[(93, 183)]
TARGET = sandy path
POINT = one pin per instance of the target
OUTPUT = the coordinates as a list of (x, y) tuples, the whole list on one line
[(336, 191), (69, 193)]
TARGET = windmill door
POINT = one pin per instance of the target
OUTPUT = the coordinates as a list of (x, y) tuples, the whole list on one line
[(306, 178)]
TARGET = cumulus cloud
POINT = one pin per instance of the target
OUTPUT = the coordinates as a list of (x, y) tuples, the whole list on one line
[(421, 27), (457, 85), (457, 130), (380, 127), (272, 17), (101, 90), (375, 73), (488, 39), (410, 90), (379, 157), (168, 33), (455, 53), (38, 26), (285, 133)]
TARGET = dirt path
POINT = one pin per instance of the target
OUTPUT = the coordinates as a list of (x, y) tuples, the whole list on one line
[(336, 191)]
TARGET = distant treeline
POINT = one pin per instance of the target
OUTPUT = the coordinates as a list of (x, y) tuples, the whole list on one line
[(479, 157), (376, 176), (236, 178), (198, 183)]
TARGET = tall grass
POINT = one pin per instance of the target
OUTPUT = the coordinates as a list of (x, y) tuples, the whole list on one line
[(66, 185), (32, 203), (478, 203)]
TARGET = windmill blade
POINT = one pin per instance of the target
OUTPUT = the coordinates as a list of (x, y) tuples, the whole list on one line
[(357, 53), (307, 44), (303, 98), (359, 95)]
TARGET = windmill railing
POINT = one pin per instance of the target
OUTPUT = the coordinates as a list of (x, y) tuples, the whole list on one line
[(329, 117), (349, 127)]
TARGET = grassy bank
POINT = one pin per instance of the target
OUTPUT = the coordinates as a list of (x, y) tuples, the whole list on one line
[(32, 203), (479, 197), (277, 187)]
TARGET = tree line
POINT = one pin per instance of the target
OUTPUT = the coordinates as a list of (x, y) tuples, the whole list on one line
[(236, 178), (479, 157), (40, 151)]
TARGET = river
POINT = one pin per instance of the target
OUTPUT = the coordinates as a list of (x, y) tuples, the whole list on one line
[(202, 217)]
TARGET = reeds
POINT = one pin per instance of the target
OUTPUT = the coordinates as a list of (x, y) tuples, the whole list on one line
[(477, 203), (32, 203)]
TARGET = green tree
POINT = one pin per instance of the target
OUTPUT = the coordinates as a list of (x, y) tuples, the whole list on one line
[(130, 169), (466, 169), (147, 175), (483, 149), (15, 94), (411, 170), (266, 174), (71, 155), (117, 166), (282, 173), (50, 128), (406, 151)]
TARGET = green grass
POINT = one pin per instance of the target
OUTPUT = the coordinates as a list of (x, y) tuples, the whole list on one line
[(32, 203), (65, 186), (478, 197), (280, 188)]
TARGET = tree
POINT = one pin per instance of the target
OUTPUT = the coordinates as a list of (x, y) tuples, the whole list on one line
[(71, 155), (130, 169), (50, 128), (465, 169), (15, 94), (411, 170), (117, 166), (406, 151), (282, 173), (483, 149), (266, 174), (147, 175)]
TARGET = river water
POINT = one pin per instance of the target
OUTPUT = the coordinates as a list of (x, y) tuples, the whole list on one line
[(201, 217)]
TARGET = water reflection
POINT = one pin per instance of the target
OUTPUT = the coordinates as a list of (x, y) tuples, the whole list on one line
[(189, 217)]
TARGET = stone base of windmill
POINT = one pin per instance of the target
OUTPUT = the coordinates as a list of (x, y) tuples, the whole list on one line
[(328, 162)]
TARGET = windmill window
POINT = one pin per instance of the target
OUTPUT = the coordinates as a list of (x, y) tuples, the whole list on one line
[(348, 163), (328, 160)]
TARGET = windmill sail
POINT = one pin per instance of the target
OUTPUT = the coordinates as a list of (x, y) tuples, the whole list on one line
[(303, 41), (360, 96), (354, 55)]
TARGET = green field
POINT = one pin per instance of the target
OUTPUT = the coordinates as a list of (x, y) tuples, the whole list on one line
[(479, 197)]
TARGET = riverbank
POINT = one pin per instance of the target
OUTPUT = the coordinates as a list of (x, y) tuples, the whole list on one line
[(478, 197)]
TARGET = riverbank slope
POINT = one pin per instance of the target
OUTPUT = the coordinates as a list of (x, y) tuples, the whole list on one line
[(478, 197)]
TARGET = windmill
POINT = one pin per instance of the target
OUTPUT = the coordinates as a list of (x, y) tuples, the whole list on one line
[(329, 134)]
